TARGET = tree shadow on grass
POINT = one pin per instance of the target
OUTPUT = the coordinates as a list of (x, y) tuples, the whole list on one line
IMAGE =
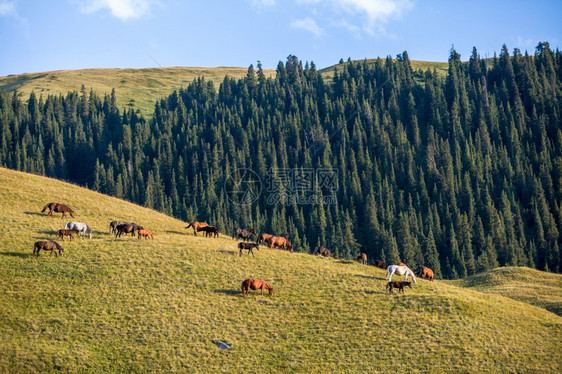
[(16, 254)]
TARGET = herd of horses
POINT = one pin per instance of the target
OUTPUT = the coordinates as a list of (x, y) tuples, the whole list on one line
[(118, 228)]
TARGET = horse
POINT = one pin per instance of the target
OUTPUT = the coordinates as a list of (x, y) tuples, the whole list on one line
[(399, 285), (401, 264), (380, 264), (47, 246), (243, 233), (323, 251), (279, 242), (400, 270), (80, 226), (58, 208), (144, 233), (127, 228), (263, 237), (425, 273), (113, 227), (62, 233), (255, 284), (362, 258), (196, 226), (210, 231), (249, 247)]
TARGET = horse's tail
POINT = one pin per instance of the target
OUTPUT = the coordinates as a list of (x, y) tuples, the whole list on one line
[(45, 208)]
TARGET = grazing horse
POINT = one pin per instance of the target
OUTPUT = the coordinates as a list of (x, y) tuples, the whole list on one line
[(62, 233), (210, 231), (399, 285), (323, 251), (362, 258), (113, 227), (47, 246), (255, 284), (400, 270), (58, 208), (196, 226), (380, 264), (144, 233), (425, 273), (243, 233), (263, 237), (279, 242), (249, 247), (127, 228), (80, 226)]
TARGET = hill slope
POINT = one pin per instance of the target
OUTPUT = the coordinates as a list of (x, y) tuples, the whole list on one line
[(134, 88), (120, 305)]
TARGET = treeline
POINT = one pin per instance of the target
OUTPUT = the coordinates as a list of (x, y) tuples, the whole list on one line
[(461, 173)]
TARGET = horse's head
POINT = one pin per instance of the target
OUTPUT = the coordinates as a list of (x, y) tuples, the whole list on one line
[(71, 214), (290, 247), (409, 284)]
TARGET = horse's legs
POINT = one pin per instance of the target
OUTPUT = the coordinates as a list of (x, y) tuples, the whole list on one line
[(251, 251)]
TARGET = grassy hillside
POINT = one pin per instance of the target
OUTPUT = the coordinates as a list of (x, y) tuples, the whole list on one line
[(135, 88), (522, 284), (123, 306)]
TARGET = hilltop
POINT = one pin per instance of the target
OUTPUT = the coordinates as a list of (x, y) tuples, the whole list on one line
[(134, 88), (120, 305)]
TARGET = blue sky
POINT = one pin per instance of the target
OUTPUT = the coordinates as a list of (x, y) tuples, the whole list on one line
[(75, 34)]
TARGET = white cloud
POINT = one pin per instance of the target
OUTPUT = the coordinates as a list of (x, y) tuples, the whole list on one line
[(8, 8), (307, 24), (122, 9)]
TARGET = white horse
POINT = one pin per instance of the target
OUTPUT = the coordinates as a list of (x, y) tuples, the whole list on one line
[(80, 226), (400, 270)]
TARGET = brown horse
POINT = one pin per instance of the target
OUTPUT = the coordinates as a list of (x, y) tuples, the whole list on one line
[(144, 233), (279, 242), (113, 227), (362, 258), (323, 251), (48, 246), (243, 233), (196, 226), (210, 231), (127, 228), (263, 237), (58, 208), (255, 284), (380, 264), (62, 233), (425, 273), (401, 264), (249, 247)]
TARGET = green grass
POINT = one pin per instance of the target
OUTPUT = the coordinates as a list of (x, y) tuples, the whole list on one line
[(157, 306), (134, 88)]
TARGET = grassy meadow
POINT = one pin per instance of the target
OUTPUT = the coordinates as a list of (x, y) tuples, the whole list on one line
[(134, 88), (120, 305)]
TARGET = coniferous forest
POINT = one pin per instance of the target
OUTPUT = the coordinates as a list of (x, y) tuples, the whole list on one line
[(461, 173)]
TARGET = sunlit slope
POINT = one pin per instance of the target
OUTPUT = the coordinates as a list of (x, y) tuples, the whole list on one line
[(134, 88), (524, 284), (158, 306)]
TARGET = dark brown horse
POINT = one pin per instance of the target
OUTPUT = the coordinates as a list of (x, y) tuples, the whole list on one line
[(398, 284), (380, 264), (249, 247), (362, 258), (263, 237), (210, 231), (58, 208), (255, 284), (323, 251), (48, 246), (127, 228), (113, 227), (279, 242), (196, 226), (62, 233), (243, 233)]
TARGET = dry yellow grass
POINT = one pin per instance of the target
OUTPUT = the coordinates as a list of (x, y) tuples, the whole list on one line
[(159, 305)]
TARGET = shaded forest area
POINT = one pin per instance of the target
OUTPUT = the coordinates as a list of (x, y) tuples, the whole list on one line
[(461, 173)]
